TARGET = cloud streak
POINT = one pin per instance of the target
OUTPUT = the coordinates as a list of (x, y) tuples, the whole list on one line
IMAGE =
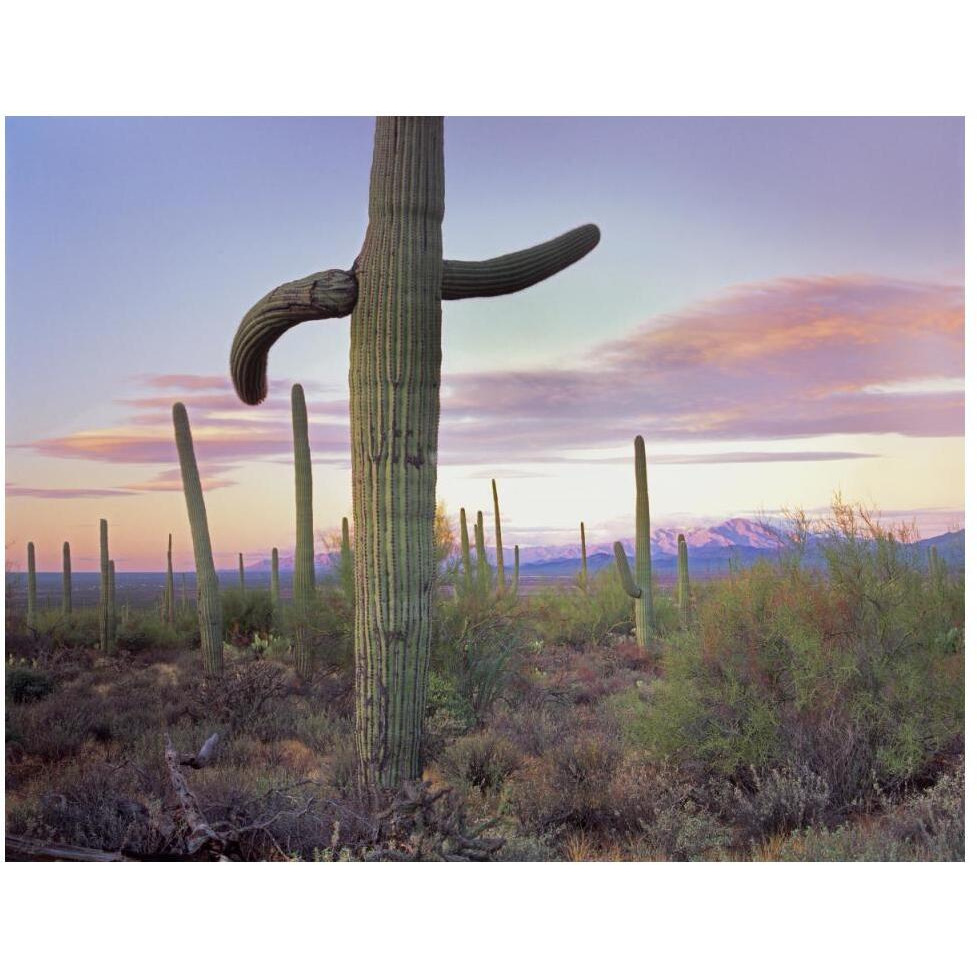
[(792, 358)]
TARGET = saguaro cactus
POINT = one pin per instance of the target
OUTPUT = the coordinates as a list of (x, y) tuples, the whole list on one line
[(499, 557), (465, 546), (684, 591), (515, 569), (209, 612), (639, 587), (104, 631), (168, 593), (394, 292), (276, 590), (66, 580), (303, 579), (113, 618), (583, 558), (346, 571), (31, 587), (240, 570), (481, 557)]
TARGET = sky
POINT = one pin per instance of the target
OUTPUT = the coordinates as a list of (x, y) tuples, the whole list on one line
[(776, 305)]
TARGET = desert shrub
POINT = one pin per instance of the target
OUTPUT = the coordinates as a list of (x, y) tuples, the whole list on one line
[(842, 673), (27, 684), (577, 617), (79, 630), (247, 613), (482, 760), (244, 696), (145, 632), (781, 800)]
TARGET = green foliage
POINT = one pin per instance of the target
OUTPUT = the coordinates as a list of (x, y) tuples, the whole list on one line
[(578, 617), (481, 760), (847, 675), (27, 684), (145, 632), (245, 614)]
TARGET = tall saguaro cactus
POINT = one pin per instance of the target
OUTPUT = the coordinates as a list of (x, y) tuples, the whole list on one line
[(31, 587), (481, 557), (240, 571), (499, 557), (113, 617), (466, 550), (639, 588), (276, 589), (684, 590), (169, 595), (104, 630), (209, 612), (583, 557), (66, 580), (394, 292), (346, 571), (303, 579), (515, 569)]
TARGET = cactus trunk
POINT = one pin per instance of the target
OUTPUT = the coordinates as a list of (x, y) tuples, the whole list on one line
[(66, 581), (466, 552), (208, 590), (170, 609), (481, 558), (639, 587), (240, 571), (583, 558), (31, 587), (499, 558), (113, 619), (104, 634), (276, 590), (395, 377), (303, 579), (346, 572), (684, 591), (515, 569)]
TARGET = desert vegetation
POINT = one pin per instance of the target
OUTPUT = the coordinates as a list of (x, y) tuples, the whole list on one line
[(785, 713)]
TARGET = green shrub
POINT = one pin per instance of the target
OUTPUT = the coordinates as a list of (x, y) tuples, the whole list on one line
[(145, 632), (27, 684), (247, 613), (482, 760), (576, 617)]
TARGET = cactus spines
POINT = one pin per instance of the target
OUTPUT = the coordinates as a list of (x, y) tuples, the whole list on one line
[(394, 292), (583, 557), (346, 573), (515, 569), (303, 579), (624, 571), (499, 558), (209, 611), (640, 587), (31, 587), (112, 612), (66, 580), (170, 610), (276, 589), (684, 591), (465, 546), (104, 631)]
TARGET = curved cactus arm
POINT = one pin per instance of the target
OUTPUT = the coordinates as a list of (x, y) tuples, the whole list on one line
[(624, 571), (513, 272), (332, 294), (324, 295)]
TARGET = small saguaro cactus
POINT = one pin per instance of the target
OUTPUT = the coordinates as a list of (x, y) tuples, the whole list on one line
[(515, 569), (346, 573), (170, 610), (31, 587), (104, 631), (209, 613), (684, 590), (481, 558), (66, 580), (394, 292), (583, 557), (303, 578), (465, 547), (113, 619), (276, 590), (499, 558), (639, 587), (240, 570), (183, 591)]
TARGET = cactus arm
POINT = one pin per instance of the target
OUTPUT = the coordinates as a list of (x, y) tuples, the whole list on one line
[(513, 272), (333, 294), (624, 571)]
